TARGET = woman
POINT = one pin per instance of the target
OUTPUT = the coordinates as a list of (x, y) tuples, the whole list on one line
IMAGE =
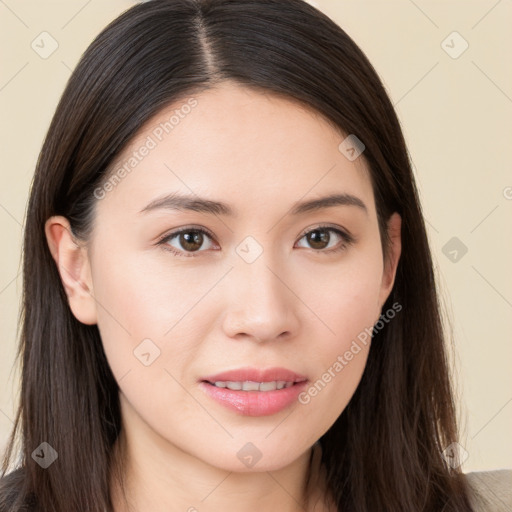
[(229, 300)]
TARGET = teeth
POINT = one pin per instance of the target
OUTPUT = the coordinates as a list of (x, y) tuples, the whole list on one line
[(253, 386), (268, 386)]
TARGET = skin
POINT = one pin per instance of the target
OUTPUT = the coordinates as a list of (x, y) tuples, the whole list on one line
[(293, 307)]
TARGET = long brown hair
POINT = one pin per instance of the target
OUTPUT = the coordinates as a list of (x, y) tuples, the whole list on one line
[(384, 452)]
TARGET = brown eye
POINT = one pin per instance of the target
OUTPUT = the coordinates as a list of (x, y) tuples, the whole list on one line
[(320, 238), (187, 240), (191, 240)]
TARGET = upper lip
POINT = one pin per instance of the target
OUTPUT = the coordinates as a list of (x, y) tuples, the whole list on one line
[(256, 375)]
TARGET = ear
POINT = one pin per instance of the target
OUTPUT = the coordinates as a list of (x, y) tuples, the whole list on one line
[(394, 227), (74, 268)]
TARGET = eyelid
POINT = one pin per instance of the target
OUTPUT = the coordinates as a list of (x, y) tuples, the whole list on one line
[(173, 233), (348, 238), (304, 232), (344, 232)]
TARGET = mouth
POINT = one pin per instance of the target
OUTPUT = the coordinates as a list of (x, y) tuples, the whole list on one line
[(249, 385), (254, 392), (249, 377)]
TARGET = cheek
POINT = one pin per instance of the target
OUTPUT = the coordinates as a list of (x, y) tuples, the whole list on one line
[(327, 396), (148, 294), (340, 358), (147, 316), (348, 306), (346, 297)]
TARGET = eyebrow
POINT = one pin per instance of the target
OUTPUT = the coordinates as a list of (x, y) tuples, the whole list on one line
[(177, 201)]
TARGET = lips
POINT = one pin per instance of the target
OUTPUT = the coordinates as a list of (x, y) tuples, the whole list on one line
[(255, 375), (254, 391)]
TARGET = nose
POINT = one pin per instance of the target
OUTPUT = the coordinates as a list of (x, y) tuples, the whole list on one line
[(260, 304)]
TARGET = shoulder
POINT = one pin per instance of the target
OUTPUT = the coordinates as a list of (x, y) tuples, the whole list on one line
[(491, 491), (11, 486)]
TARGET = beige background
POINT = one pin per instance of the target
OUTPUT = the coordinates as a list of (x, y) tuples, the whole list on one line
[(456, 115)]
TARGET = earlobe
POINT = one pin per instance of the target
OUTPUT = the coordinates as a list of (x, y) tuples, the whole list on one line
[(74, 268), (395, 250)]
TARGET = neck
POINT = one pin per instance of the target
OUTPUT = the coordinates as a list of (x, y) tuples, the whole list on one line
[(160, 477)]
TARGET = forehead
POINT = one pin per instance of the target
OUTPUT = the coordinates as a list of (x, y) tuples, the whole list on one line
[(233, 142)]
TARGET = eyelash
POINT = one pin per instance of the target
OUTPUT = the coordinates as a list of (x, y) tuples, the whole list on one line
[(347, 240)]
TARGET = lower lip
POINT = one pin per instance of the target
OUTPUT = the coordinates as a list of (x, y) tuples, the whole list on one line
[(254, 403)]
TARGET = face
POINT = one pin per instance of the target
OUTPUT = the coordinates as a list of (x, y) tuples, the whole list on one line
[(255, 284)]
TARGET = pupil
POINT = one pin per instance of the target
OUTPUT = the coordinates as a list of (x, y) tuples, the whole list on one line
[(321, 240), (192, 240), (188, 241)]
